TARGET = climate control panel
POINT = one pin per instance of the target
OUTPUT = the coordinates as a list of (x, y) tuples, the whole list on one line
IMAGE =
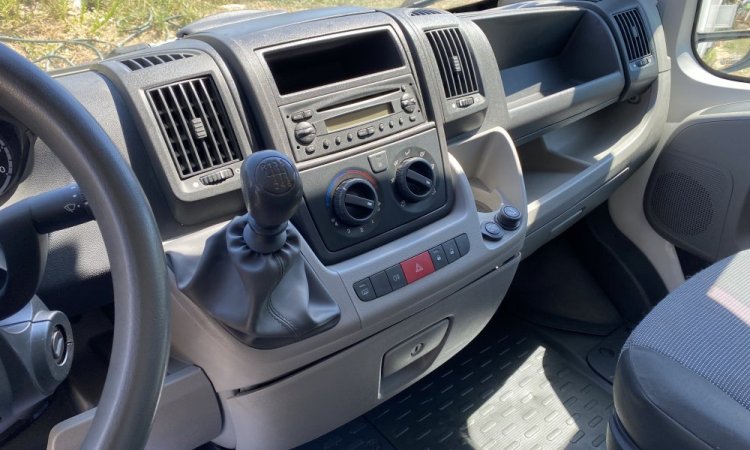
[(365, 196)]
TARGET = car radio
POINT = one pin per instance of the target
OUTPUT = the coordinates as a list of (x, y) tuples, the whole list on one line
[(336, 122)]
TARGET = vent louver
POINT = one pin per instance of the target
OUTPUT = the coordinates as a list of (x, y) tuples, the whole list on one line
[(634, 34), (142, 62), (195, 125), (454, 60), (425, 12)]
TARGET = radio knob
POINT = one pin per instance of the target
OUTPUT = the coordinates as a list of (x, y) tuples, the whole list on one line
[(305, 132), (408, 103), (415, 179), (355, 201)]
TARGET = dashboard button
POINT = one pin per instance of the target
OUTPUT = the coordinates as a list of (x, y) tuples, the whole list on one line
[(381, 127), (364, 290), (338, 140), (370, 131), (378, 161), (310, 149), (439, 260), (408, 103), (305, 133), (380, 284), (396, 277), (492, 231), (451, 251), (418, 267), (363, 133), (349, 137), (462, 242), (302, 115)]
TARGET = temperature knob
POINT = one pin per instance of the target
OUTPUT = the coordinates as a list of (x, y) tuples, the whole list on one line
[(355, 201), (415, 179)]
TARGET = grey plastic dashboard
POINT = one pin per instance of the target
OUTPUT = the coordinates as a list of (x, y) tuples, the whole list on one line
[(545, 106), (554, 74)]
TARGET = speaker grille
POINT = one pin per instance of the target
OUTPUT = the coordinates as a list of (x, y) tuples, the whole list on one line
[(682, 203), (686, 202)]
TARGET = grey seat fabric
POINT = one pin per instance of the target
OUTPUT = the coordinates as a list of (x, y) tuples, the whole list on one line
[(683, 378)]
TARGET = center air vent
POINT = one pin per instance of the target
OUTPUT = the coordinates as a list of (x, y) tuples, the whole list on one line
[(634, 34), (425, 12), (195, 125), (454, 60), (142, 62)]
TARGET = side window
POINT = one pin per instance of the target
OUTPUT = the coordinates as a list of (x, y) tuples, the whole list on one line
[(722, 37)]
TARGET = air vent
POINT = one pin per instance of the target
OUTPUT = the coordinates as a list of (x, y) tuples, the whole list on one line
[(425, 12), (143, 62), (195, 125), (455, 61), (633, 33)]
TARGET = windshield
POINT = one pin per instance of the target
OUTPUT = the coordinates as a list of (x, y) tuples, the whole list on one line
[(58, 34)]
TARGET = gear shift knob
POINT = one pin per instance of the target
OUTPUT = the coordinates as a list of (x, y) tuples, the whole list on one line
[(272, 190)]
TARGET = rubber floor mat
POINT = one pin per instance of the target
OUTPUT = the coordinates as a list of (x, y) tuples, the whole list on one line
[(504, 391)]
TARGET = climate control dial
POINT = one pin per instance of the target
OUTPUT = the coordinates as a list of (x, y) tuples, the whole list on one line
[(415, 179), (355, 201)]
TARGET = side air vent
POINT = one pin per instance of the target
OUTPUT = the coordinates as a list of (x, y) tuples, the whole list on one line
[(633, 33), (143, 62), (425, 12), (455, 61), (195, 125)]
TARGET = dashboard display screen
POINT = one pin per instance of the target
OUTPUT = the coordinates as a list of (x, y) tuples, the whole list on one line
[(355, 118)]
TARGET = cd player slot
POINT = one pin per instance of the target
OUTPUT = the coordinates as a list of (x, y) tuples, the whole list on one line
[(357, 101)]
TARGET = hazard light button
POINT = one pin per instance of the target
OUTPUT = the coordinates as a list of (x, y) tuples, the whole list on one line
[(417, 267)]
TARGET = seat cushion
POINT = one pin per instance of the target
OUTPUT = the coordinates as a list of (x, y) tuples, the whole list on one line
[(683, 378)]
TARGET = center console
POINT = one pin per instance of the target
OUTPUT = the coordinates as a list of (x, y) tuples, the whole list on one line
[(356, 198)]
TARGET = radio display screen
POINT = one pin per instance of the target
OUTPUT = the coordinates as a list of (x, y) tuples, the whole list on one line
[(355, 118)]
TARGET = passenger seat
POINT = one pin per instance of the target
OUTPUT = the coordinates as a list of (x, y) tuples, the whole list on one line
[(683, 378)]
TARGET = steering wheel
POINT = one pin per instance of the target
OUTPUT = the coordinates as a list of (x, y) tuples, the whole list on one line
[(141, 331)]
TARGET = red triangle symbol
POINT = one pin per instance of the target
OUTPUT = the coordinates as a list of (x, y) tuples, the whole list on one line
[(418, 268)]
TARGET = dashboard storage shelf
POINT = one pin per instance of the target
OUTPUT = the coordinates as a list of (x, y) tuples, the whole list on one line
[(556, 64)]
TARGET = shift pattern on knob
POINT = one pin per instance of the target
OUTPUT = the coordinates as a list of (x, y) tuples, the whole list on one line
[(272, 190)]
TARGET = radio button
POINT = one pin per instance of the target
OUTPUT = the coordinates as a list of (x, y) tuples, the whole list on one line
[(301, 115), (381, 127), (412, 118), (408, 103), (378, 161), (310, 149), (363, 133), (326, 144), (349, 137), (391, 124), (305, 132), (370, 131), (338, 140)]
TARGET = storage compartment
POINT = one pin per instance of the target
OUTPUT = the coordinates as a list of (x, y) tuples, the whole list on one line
[(544, 170), (555, 63), (490, 164), (567, 164), (331, 60)]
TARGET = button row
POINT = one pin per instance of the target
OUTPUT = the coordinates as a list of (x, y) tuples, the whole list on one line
[(412, 269)]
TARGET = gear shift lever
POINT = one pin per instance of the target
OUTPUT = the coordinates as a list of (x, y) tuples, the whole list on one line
[(272, 190), (251, 276)]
